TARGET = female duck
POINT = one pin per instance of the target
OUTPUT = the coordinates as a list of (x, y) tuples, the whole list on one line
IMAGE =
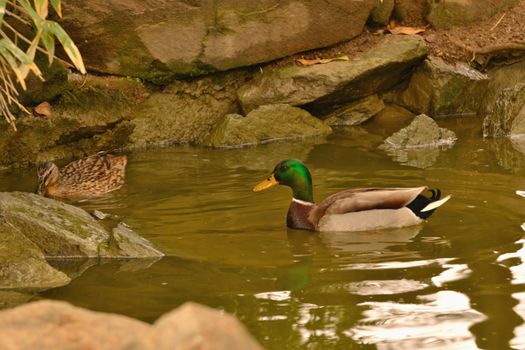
[(87, 177), (351, 210)]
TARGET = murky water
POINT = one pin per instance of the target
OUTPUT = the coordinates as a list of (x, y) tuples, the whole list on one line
[(456, 282)]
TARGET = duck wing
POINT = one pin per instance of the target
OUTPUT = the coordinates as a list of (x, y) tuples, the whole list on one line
[(362, 199)]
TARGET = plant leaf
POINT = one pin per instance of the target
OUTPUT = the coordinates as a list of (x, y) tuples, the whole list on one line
[(49, 43), (306, 62), (406, 30), (68, 44), (57, 5), (41, 7)]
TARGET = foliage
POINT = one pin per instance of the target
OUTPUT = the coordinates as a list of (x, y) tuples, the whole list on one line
[(17, 51)]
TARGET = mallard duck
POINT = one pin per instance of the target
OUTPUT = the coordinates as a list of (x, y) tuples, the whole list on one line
[(87, 177), (351, 210)]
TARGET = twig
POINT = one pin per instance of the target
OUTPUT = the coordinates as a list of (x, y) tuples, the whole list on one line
[(487, 50), (497, 23)]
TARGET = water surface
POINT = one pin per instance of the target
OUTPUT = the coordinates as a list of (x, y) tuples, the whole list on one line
[(455, 282)]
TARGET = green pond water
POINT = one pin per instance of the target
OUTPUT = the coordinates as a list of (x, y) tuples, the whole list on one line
[(455, 282)]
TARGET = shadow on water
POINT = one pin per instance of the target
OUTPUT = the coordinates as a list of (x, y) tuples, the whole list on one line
[(455, 282)]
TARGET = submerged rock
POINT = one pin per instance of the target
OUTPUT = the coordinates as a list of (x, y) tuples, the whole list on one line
[(441, 89), (356, 112), (419, 143), (50, 324), (325, 87), (34, 228), (266, 124), (157, 42), (507, 115)]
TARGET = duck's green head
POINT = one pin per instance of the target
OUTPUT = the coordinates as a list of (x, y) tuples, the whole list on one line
[(294, 174)]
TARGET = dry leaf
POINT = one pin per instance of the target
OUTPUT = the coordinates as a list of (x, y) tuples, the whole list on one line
[(306, 62), (43, 110), (406, 30)]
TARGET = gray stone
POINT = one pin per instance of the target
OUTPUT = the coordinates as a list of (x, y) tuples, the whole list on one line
[(382, 12), (357, 112), (62, 230), (23, 266), (420, 143), (158, 41), (507, 115), (444, 14), (502, 77), (440, 89), (327, 86), (423, 131), (58, 325), (185, 112), (266, 124)]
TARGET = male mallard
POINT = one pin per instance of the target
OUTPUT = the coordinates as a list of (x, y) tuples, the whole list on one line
[(351, 210), (87, 177)]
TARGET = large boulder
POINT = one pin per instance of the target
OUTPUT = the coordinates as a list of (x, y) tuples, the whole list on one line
[(62, 230), (266, 124), (327, 86), (382, 12), (59, 325), (411, 12), (507, 115), (440, 89), (156, 41), (443, 14), (34, 228)]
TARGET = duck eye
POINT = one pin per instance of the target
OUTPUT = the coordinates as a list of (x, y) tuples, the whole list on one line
[(284, 168)]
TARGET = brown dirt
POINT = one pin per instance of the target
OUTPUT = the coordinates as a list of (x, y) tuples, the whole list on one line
[(467, 43), (478, 43)]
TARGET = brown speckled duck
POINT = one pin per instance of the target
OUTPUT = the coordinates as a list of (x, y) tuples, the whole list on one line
[(351, 210), (87, 177)]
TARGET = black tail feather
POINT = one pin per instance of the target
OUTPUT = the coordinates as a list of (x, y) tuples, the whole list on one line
[(420, 202)]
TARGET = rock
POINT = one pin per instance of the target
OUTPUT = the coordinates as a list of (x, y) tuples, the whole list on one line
[(411, 12), (391, 119), (441, 89), (382, 12), (356, 112), (324, 87), (193, 326), (59, 325), (422, 132), (185, 112), (443, 14), (55, 82), (90, 117), (501, 77), (10, 299), (23, 266), (157, 42), (507, 116), (267, 124), (62, 230), (419, 143)]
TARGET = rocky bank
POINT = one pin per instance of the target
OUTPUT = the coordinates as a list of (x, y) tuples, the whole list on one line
[(216, 73)]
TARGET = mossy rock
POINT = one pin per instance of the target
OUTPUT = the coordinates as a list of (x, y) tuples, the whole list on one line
[(267, 124)]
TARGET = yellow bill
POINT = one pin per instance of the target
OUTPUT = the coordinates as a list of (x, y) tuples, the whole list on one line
[(269, 182)]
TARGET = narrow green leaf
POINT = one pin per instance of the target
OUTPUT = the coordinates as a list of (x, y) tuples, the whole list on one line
[(30, 11), (57, 5), (49, 43), (68, 44), (41, 7)]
